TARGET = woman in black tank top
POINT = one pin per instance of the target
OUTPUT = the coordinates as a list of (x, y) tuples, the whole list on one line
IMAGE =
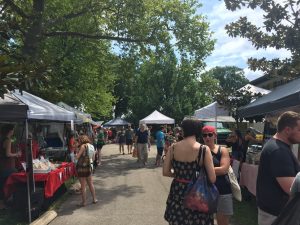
[(221, 162), (7, 158)]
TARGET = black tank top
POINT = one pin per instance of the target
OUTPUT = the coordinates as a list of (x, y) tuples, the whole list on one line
[(222, 181), (2, 149)]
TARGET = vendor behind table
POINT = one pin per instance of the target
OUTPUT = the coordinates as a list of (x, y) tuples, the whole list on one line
[(7, 157)]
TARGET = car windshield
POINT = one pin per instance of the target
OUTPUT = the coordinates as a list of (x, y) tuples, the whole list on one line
[(214, 124)]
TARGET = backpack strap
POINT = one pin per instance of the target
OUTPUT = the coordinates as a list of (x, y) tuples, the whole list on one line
[(86, 149)]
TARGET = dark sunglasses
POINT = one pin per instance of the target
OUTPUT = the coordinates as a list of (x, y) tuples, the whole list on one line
[(209, 135)]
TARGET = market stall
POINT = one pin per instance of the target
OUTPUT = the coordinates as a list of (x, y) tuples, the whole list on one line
[(85, 117), (280, 98), (24, 108), (52, 180), (269, 107), (116, 122), (214, 112), (157, 118), (248, 177)]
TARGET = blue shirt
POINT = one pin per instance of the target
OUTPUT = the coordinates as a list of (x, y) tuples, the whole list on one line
[(160, 139)]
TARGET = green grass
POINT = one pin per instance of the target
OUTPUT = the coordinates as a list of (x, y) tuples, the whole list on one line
[(245, 212), (11, 217)]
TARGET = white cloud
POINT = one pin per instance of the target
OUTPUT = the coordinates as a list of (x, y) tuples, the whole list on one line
[(220, 16), (236, 51), (251, 75)]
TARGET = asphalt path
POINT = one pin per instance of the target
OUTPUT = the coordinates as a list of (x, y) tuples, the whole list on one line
[(128, 193)]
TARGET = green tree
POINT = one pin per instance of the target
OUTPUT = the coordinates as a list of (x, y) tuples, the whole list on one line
[(82, 76), (237, 99), (230, 78), (163, 84), (28, 28), (228, 90), (280, 31), (125, 70)]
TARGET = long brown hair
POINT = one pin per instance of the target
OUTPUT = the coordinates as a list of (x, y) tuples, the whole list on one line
[(83, 139)]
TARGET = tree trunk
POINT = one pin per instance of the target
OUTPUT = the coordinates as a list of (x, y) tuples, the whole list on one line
[(33, 35)]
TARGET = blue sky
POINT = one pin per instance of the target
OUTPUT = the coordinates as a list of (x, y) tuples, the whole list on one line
[(234, 51)]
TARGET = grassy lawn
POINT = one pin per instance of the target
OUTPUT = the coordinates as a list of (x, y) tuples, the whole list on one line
[(11, 217), (245, 212)]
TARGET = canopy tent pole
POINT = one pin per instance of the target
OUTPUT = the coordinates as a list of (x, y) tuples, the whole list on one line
[(29, 170), (216, 126)]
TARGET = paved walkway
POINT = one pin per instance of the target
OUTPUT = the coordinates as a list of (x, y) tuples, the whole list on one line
[(128, 194)]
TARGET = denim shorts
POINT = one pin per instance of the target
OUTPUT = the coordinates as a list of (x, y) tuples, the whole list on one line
[(225, 205)]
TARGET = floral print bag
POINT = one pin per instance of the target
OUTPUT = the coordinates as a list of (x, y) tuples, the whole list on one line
[(201, 195)]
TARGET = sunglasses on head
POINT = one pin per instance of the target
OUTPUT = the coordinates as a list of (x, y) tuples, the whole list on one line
[(208, 134)]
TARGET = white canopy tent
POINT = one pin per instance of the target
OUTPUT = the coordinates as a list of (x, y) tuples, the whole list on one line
[(86, 118), (157, 118), (255, 90), (26, 107), (219, 113), (214, 112), (40, 109)]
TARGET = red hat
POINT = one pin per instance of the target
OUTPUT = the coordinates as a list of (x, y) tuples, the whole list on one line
[(209, 129)]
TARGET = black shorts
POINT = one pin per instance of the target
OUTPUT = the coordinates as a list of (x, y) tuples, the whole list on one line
[(160, 150), (99, 146), (129, 141)]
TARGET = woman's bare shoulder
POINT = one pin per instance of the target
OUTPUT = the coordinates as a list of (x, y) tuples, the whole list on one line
[(224, 150)]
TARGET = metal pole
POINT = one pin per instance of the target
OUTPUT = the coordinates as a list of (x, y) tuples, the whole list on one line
[(216, 127), (27, 173), (29, 170)]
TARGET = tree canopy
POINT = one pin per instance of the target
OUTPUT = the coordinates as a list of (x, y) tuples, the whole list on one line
[(163, 84), (75, 50), (230, 80), (280, 30)]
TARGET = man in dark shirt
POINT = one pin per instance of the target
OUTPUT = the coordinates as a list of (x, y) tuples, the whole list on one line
[(142, 142), (277, 168)]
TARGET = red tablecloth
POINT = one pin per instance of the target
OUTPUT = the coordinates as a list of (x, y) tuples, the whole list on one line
[(249, 176), (53, 180)]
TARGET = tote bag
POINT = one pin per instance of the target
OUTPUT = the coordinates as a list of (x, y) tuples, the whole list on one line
[(201, 195), (235, 187)]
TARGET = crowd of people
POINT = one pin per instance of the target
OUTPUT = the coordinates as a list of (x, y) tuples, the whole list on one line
[(178, 149), (277, 174)]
